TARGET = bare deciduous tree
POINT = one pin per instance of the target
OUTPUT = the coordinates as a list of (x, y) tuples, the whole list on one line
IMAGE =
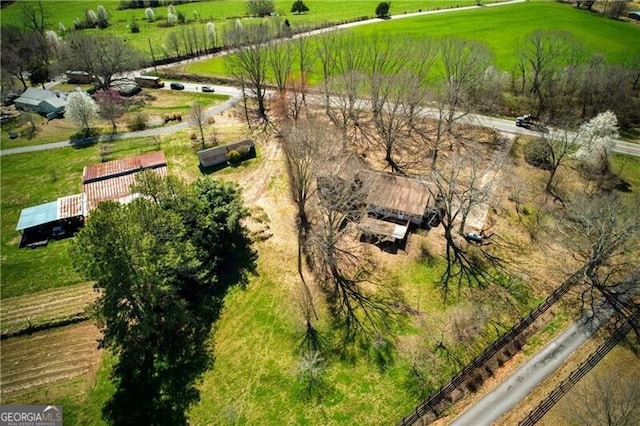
[(606, 399), (542, 55), (464, 66), (198, 118), (343, 62), (248, 65), (104, 55), (462, 184), (357, 303), (551, 151), (603, 236), (280, 61)]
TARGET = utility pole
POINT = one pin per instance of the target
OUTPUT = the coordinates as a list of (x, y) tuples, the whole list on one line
[(153, 58)]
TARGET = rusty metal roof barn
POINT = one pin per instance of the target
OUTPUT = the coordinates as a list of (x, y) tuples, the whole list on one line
[(397, 193), (122, 167), (112, 180)]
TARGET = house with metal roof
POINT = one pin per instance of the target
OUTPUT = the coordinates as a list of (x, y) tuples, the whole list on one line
[(49, 103), (393, 203)]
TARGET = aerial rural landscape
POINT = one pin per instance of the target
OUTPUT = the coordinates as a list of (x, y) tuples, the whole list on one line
[(266, 212)]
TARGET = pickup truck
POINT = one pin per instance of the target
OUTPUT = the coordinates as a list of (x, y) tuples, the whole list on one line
[(532, 123)]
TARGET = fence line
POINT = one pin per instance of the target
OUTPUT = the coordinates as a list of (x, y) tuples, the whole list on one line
[(537, 413), (446, 391)]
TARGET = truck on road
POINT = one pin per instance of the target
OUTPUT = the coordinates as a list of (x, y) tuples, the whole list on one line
[(532, 123), (149, 81)]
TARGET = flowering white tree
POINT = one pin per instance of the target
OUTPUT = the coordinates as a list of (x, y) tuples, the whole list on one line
[(211, 33), (103, 17), (149, 14), (81, 109), (171, 19), (597, 139)]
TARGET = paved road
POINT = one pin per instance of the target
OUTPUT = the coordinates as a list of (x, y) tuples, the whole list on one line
[(514, 389)]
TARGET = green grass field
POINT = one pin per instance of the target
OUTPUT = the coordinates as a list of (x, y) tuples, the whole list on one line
[(222, 12), (34, 178), (500, 28)]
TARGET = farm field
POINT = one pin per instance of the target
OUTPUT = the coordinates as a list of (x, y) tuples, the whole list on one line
[(40, 308), (500, 28), (222, 12), (56, 365)]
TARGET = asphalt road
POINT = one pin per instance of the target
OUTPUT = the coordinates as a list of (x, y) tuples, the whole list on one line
[(513, 390)]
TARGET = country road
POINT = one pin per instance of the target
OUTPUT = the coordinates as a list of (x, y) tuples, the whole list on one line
[(517, 386), (499, 124)]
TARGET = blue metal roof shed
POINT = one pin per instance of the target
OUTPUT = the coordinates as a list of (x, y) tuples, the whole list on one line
[(38, 215)]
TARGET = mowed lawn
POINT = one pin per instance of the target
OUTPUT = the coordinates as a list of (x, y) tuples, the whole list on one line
[(222, 12), (34, 178), (501, 28)]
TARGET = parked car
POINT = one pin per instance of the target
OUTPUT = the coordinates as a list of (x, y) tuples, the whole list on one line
[(176, 86), (208, 89)]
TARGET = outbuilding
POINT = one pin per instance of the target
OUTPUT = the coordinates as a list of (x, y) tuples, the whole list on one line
[(55, 219), (218, 154), (112, 180)]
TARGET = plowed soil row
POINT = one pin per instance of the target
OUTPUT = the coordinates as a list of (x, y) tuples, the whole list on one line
[(48, 358), (23, 312)]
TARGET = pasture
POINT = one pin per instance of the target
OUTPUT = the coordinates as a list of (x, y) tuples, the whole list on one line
[(501, 28), (221, 12)]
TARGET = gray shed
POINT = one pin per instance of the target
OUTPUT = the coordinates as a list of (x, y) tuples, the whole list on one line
[(218, 154)]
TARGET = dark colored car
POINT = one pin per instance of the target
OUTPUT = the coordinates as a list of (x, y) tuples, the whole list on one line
[(532, 123), (176, 86), (208, 89)]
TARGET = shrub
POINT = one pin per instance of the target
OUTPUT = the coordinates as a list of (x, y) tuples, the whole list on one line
[(138, 122), (102, 17), (382, 10), (149, 14), (299, 7), (91, 19), (244, 151), (133, 26), (234, 158), (171, 19), (260, 7), (538, 154)]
